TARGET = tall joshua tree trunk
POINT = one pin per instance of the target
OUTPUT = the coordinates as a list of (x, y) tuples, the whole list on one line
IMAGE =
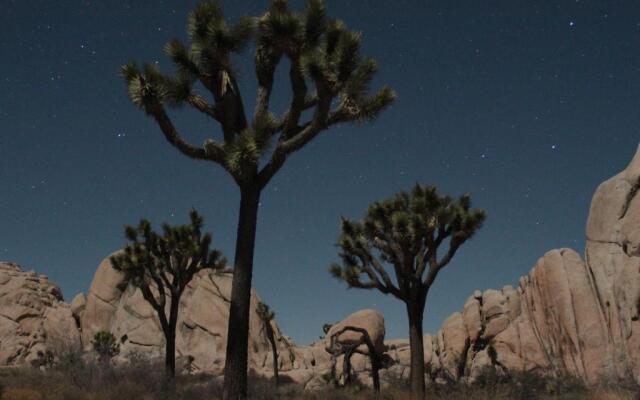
[(416, 345), (170, 336), (238, 332), (329, 87)]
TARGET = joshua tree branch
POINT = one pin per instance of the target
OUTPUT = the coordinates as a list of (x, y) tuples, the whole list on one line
[(453, 247), (318, 124), (158, 307), (146, 293), (434, 268), (365, 285), (201, 105), (160, 286), (375, 357), (299, 88), (309, 101), (376, 269), (369, 271), (266, 61), (165, 278), (171, 134)]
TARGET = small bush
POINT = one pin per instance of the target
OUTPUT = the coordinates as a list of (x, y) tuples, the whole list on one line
[(105, 346)]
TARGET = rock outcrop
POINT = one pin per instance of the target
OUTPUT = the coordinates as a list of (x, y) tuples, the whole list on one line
[(567, 316), (369, 320), (313, 362), (114, 306), (34, 319)]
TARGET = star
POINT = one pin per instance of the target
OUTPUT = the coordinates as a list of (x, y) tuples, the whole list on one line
[(572, 24)]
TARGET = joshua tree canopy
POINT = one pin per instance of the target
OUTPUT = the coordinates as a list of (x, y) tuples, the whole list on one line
[(400, 238), (329, 80), (321, 52), (162, 264)]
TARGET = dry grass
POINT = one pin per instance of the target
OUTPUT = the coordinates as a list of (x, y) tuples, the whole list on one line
[(80, 380), (21, 394)]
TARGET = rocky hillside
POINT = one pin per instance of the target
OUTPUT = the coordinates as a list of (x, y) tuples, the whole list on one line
[(568, 315)]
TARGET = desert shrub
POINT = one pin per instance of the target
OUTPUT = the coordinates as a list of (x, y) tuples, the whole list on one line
[(83, 379), (22, 394), (526, 385), (105, 346)]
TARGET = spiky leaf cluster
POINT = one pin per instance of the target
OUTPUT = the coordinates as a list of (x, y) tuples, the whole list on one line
[(265, 313), (166, 260), (327, 51), (323, 54), (406, 232)]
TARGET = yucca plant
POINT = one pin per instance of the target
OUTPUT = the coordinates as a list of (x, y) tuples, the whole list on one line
[(405, 233), (161, 265), (329, 80)]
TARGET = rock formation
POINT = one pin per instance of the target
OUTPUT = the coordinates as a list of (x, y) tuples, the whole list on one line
[(114, 306), (33, 317), (568, 316), (370, 320), (313, 363)]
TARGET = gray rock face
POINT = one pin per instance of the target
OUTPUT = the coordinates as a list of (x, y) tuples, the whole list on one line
[(33, 317)]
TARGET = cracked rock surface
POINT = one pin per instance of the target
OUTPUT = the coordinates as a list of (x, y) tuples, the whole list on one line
[(33, 317)]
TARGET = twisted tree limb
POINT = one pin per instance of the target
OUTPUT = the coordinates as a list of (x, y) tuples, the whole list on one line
[(336, 349)]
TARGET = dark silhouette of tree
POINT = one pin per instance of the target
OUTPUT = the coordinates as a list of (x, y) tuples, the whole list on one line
[(266, 316), (161, 265), (329, 81), (336, 349), (406, 232), (105, 346)]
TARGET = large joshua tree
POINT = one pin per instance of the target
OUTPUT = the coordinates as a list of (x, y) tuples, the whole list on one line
[(404, 234), (161, 266), (329, 82)]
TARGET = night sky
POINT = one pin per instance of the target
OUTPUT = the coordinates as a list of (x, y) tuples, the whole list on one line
[(527, 105)]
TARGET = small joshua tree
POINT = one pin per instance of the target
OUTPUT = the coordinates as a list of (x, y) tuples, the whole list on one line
[(330, 85), (105, 346), (266, 316), (161, 266), (406, 232)]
